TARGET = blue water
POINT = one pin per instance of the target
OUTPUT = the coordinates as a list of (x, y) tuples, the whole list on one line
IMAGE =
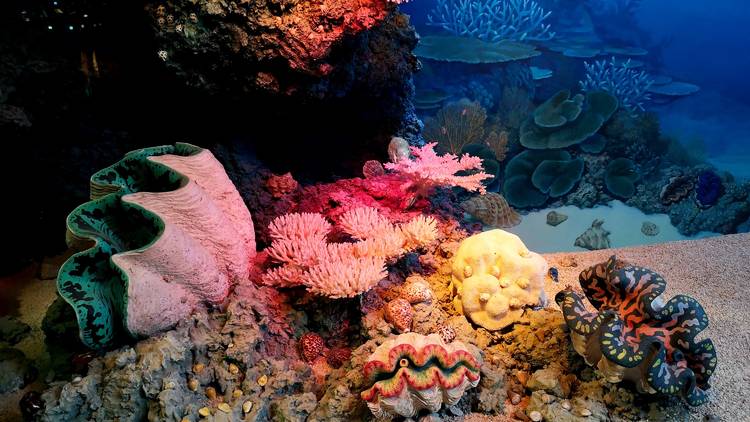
[(700, 42)]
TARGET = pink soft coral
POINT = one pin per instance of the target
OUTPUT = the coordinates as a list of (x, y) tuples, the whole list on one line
[(341, 269), (429, 170)]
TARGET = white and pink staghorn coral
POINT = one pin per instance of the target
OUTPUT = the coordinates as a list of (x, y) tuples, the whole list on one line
[(341, 269), (428, 170)]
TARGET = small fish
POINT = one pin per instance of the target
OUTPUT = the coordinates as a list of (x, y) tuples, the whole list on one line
[(553, 274)]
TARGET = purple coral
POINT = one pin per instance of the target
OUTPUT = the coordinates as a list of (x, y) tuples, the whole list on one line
[(709, 189)]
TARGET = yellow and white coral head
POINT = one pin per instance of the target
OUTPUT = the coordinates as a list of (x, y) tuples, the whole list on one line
[(495, 277)]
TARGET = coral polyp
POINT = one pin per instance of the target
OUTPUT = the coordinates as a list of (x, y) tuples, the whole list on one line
[(636, 336), (413, 372)]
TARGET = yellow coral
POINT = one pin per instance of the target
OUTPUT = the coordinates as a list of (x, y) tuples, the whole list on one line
[(494, 277)]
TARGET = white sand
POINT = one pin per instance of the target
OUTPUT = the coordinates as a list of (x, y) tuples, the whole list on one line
[(623, 222)]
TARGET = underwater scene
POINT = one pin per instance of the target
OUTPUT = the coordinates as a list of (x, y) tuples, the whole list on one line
[(372, 210)]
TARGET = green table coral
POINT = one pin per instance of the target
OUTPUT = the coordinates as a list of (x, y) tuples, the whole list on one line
[(636, 335), (620, 177), (532, 176), (562, 121)]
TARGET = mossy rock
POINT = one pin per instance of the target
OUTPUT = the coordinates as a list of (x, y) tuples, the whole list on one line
[(620, 177), (557, 129), (519, 187)]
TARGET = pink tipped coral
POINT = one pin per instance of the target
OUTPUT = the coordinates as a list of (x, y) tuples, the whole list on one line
[(429, 170), (340, 269)]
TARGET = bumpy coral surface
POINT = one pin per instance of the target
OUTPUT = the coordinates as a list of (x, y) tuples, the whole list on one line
[(636, 335), (171, 231), (495, 277), (413, 372)]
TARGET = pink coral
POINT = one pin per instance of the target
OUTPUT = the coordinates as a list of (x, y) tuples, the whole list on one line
[(428, 170), (340, 269), (281, 185)]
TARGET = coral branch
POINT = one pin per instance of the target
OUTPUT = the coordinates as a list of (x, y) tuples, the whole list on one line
[(492, 20), (619, 79)]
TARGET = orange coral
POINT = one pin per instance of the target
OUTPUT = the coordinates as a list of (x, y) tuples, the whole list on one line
[(281, 185)]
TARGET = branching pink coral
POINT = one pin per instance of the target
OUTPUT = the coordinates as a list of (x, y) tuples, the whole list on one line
[(341, 269), (429, 170)]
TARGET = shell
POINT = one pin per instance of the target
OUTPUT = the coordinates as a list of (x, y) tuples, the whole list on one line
[(678, 188), (657, 349), (311, 346), (492, 210), (177, 231), (416, 290), (412, 372), (373, 168), (399, 313)]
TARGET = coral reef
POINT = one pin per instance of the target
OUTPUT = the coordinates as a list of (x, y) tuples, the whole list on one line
[(492, 20), (492, 210), (413, 372), (594, 238), (171, 232), (561, 121), (495, 277), (621, 177), (340, 270), (630, 86), (490, 163), (652, 344)]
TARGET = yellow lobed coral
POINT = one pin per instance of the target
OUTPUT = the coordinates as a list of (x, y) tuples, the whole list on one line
[(495, 277)]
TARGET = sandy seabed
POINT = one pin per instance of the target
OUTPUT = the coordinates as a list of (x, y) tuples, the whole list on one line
[(714, 271)]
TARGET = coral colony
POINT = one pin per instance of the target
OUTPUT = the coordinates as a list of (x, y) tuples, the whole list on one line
[(629, 85), (377, 264), (493, 20)]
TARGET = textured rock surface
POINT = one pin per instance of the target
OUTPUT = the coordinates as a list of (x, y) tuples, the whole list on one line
[(15, 369)]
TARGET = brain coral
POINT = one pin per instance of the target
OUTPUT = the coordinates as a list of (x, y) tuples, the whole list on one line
[(494, 277), (413, 372), (636, 335), (170, 231)]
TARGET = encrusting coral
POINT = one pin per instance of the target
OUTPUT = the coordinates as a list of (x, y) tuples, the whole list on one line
[(341, 269), (170, 231), (638, 336), (495, 277), (413, 372)]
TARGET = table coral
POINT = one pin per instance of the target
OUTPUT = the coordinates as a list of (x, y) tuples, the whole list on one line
[(413, 372), (636, 335), (495, 277), (170, 232)]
